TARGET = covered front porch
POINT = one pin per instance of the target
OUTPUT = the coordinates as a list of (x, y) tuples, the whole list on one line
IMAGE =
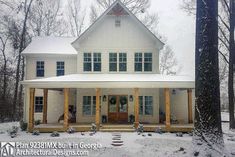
[(135, 88)]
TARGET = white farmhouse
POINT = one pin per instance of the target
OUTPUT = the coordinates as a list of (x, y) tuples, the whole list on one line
[(109, 75)]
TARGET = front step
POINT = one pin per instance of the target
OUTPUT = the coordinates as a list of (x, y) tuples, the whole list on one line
[(117, 129)]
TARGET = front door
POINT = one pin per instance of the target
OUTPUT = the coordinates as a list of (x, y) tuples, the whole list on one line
[(118, 109)]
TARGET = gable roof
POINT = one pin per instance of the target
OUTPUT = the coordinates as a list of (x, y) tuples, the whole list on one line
[(50, 45), (125, 11)]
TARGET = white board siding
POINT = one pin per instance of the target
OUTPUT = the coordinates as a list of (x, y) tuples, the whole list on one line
[(104, 105), (128, 38), (49, 65)]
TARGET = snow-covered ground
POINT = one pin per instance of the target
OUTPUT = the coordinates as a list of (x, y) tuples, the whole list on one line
[(157, 145)]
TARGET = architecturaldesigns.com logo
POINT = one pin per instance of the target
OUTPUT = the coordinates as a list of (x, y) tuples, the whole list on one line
[(7, 149)]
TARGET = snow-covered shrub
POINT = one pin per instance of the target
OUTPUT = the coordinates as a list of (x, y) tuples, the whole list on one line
[(140, 128), (23, 126), (55, 134), (37, 122), (36, 132), (179, 134), (93, 127), (159, 130), (71, 130), (13, 131)]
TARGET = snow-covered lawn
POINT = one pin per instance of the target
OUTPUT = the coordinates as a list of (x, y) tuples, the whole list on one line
[(166, 144)]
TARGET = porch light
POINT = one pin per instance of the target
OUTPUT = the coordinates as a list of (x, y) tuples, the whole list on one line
[(131, 98), (104, 98), (173, 92)]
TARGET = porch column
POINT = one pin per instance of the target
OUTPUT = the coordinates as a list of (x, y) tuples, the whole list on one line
[(97, 113), (190, 106), (136, 108), (31, 109), (66, 108), (167, 107), (45, 98)]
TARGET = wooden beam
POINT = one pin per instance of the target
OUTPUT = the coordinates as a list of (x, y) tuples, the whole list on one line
[(45, 100), (97, 113), (136, 108), (190, 106), (66, 108), (167, 107), (31, 109)]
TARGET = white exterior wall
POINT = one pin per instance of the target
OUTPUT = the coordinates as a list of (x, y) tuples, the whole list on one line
[(104, 105), (106, 38), (178, 104)]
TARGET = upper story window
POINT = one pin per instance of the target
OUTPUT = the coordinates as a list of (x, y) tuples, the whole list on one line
[(97, 61), (122, 61), (112, 61), (138, 61), (87, 62), (147, 62), (117, 22), (60, 68), (40, 68), (145, 105), (38, 104)]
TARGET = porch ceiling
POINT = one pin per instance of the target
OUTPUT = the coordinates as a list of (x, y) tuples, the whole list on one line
[(112, 81)]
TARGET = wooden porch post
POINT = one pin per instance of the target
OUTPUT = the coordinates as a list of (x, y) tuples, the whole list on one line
[(136, 108), (31, 109), (190, 106), (97, 113), (167, 107), (45, 98), (66, 108)]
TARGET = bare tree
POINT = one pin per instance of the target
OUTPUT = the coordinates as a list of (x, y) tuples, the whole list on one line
[(76, 16)]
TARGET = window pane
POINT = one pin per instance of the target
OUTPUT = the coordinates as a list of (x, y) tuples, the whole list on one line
[(112, 61), (38, 104), (97, 61), (138, 61), (148, 105), (147, 61), (141, 107), (40, 68), (122, 62), (86, 105), (94, 105), (87, 62), (60, 68)]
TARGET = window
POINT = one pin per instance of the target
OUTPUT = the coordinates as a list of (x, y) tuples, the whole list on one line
[(122, 61), (145, 105), (40, 68), (117, 23), (87, 62), (112, 61), (38, 104), (89, 105), (147, 61), (138, 61), (97, 61), (59, 68)]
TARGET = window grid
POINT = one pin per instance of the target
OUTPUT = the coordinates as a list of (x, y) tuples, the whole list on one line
[(97, 61), (86, 109), (112, 61), (87, 62), (38, 104), (40, 68), (138, 62), (60, 68), (145, 105), (122, 62), (147, 61)]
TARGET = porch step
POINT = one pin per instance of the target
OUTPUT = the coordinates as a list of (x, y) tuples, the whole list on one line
[(117, 129)]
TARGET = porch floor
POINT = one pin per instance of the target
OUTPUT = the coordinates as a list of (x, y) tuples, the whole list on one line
[(114, 127)]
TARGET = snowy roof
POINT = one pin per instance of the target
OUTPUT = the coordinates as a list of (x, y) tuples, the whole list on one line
[(50, 45), (113, 81)]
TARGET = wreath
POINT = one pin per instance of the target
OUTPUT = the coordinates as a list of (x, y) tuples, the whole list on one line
[(113, 100), (123, 100)]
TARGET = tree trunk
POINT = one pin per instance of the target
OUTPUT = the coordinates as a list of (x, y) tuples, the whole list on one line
[(21, 48), (230, 77), (21, 91), (208, 137)]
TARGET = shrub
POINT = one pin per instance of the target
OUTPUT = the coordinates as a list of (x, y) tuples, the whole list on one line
[(70, 130), (93, 127), (23, 126), (36, 132), (55, 134), (140, 128), (13, 131), (37, 122)]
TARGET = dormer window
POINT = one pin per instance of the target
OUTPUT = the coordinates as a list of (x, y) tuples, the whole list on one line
[(117, 23)]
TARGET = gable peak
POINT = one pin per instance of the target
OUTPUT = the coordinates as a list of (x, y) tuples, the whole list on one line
[(118, 9)]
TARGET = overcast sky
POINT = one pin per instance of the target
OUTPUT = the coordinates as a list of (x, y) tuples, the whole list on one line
[(178, 28)]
